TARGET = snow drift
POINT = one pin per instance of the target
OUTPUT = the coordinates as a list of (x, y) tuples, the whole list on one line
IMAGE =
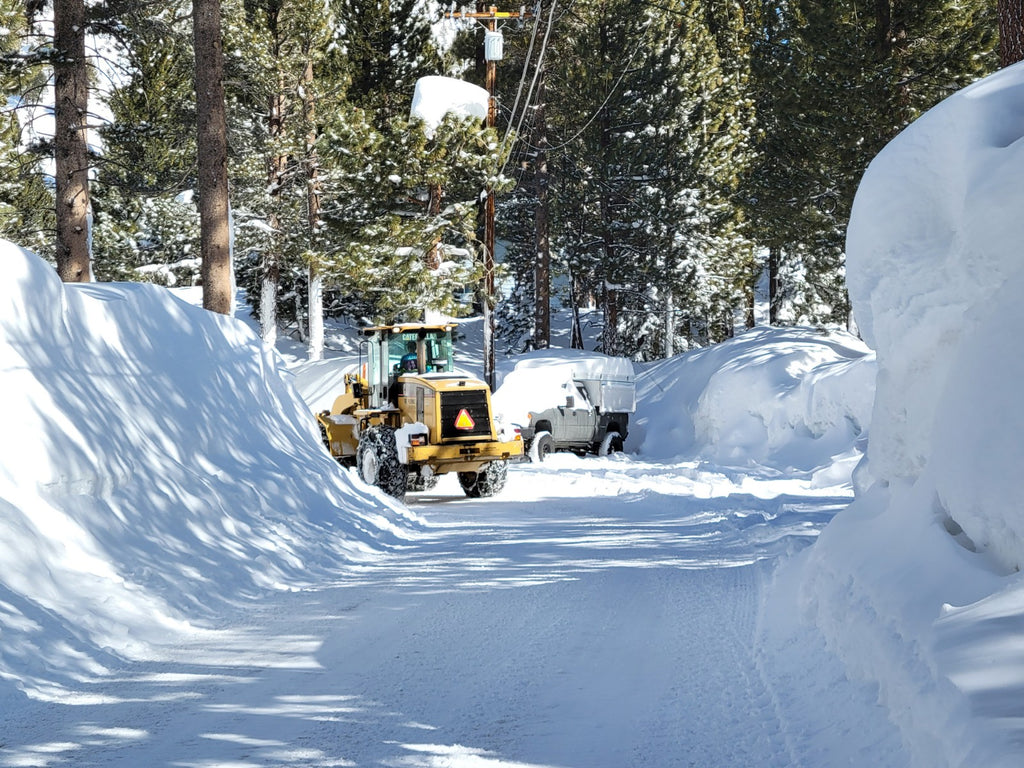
[(929, 553), (784, 398), (156, 466)]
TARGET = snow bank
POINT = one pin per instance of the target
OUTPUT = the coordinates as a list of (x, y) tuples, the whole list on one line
[(916, 584), (319, 382), (933, 235), (435, 96), (155, 466), (787, 398)]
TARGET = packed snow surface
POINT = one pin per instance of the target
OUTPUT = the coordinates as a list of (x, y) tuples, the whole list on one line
[(189, 580)]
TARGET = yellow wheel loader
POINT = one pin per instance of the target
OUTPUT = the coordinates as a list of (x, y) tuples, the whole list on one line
[(407, 417)]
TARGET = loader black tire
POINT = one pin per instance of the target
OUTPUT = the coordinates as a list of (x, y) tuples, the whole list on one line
[(377, 461), (417, 482), (487, 482)]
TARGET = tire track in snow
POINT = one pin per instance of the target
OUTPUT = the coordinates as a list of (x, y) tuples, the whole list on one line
[(613, 623), (629, 655)]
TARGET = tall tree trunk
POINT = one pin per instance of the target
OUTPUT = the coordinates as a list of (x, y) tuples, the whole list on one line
[(542, 271), (71, 156), (883, 28), (609, 295), (774, 285), (268, 297), (316, 294), (270, 261), (434, 196), (610, 341), (576, 336), (215, 237), (1011, 32), (670, 324)]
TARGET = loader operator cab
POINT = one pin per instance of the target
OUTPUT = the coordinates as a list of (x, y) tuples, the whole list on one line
[(400, 350)]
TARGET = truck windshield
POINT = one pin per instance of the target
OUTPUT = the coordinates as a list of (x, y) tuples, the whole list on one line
[(423, 351)]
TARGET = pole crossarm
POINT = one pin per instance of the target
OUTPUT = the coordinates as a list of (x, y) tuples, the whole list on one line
[(492, 14)]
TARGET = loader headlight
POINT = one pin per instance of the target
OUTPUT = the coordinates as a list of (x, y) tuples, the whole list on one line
[(415, 440)]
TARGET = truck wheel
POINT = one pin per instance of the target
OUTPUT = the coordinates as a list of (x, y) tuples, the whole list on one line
[(377, 461), (542, 445), (487, 482), (612, 443)]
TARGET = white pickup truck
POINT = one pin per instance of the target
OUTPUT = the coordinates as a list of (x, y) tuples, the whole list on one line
[(578, 402)]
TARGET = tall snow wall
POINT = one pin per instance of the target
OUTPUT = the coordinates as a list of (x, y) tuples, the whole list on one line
[(155, 468)]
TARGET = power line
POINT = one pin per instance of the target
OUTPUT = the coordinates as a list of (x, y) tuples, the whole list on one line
[(536, 76), (522, 78), (597, 112)]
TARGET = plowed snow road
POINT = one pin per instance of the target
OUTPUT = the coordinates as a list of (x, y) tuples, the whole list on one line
[(600, 613)]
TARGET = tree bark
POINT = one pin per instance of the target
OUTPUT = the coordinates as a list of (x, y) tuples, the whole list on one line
[(71, 155), (883, 28), (576, 336), (1011, 32), (774, 286), (215, 236), (670, 325), (609, 295), (433, 258)]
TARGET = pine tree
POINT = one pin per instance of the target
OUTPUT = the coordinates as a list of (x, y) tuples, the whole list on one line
[(651, 131), (596, 60), (386, 46), (376, 189), (700, 124), (834, 86), (146, 221), (27, 212), (285, 39)]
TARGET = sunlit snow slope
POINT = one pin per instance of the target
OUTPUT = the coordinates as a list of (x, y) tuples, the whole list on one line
[(154, 464)]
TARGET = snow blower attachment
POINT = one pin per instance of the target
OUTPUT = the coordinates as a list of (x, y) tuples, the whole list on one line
[(407, 417)]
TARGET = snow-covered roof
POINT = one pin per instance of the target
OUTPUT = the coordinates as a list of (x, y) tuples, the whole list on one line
[(543, 379)]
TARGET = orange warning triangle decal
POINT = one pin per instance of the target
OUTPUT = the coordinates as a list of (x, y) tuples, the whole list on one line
[(464, 420)]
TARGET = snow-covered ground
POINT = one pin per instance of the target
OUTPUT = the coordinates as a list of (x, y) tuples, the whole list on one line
[(187, 579), (190, 580)]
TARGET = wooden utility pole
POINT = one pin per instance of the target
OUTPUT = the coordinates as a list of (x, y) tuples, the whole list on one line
[(489, 16)]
